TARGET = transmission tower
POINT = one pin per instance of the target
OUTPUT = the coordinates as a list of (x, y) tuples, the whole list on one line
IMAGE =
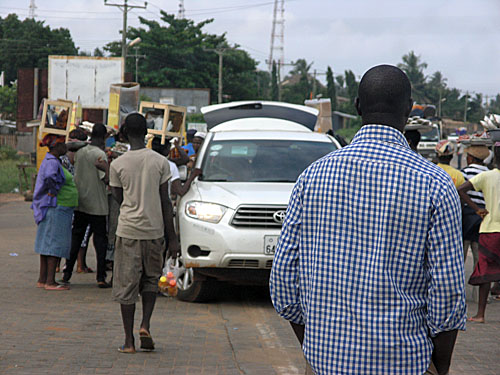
[(32, 8), (277, 51), (182, 10)]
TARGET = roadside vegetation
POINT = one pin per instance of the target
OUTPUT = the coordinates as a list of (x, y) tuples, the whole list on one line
[(9, 173)]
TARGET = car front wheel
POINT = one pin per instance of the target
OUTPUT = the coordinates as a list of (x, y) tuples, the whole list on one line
[(192, 287)]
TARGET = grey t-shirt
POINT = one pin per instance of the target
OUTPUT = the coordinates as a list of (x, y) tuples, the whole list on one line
[(92, 195), (140, 173)]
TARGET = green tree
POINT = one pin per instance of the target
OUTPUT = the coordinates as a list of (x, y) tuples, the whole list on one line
[(330, 88), (475, 110), (274, 83), (299, 87), (435, 89), (98, 52), (263, 81), (453, 107), (8, 102), (351, 91), (414, 69), (340, 81), (28, 43), (494, 105), (178, 55)]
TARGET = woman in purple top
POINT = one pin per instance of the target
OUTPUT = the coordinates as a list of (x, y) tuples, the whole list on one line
[(51, 178)]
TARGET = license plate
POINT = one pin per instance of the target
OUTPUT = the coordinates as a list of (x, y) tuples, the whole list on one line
[(270, 243)]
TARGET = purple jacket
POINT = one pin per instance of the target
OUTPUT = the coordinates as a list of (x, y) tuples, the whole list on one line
[(50, 179)]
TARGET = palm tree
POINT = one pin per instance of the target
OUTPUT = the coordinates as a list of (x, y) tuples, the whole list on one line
[(414, 69)]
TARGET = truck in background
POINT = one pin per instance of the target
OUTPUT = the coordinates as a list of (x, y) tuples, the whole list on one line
[(423, 119)]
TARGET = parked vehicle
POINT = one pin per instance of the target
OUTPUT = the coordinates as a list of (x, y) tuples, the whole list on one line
[(230, 220)]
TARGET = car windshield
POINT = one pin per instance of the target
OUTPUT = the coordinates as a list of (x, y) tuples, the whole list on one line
[(430, 134), (260, 160)]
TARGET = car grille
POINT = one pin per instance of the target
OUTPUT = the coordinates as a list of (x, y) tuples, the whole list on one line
[(257, 217), (243, 263), (269, 264)]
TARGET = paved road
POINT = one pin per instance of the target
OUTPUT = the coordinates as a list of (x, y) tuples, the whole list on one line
[(77, 332)]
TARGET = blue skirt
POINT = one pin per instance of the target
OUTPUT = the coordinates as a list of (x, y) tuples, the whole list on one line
[(53, 236)]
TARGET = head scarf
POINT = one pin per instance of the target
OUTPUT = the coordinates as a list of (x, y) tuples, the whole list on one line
[(51, 140), (445, 148)]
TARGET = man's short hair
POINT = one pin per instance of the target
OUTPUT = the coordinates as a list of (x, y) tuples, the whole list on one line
[(99, 131), (384, 89), (136, 125), (159, 148), (78, 134)]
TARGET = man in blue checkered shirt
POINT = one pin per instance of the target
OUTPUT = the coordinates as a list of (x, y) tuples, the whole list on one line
[(369, 267)]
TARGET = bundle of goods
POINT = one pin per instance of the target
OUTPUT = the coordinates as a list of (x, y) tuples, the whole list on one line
[(478, 139), (87, 126), (120, 148), (418, 123), (491, 124)]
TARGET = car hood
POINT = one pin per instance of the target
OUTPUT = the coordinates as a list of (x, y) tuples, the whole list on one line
[(234, 194)]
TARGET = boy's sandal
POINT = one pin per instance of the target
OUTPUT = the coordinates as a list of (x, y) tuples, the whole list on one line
[(147, 342)]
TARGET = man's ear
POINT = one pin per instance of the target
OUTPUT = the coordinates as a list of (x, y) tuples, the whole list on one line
[(357, 105)]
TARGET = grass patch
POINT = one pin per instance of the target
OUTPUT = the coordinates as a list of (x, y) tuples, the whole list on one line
[(9, 173)]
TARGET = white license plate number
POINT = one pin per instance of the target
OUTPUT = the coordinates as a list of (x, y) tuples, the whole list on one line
[(270, 243)]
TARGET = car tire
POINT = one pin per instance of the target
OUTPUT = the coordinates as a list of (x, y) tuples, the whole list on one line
[(192, 287), (199, 291)]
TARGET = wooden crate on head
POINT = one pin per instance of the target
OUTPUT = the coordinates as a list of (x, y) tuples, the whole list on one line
[(56, 118), (165, 120)]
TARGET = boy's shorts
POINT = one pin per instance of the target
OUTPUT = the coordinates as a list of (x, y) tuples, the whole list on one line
[(137, 268)]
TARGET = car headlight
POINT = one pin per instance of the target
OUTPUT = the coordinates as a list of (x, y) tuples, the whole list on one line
[(210, 212)]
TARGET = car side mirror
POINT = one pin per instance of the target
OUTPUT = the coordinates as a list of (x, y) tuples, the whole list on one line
[(183, 173)]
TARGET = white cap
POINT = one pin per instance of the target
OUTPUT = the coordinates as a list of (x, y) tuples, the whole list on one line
[(200, 135)]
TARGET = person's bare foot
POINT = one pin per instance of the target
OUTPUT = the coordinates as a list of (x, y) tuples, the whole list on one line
[(476, 319), (40, 285), (126, 349)]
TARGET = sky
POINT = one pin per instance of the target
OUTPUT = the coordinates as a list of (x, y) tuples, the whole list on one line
[(460, 38)]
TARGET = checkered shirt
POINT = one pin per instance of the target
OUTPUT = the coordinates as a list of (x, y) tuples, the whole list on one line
[(370, 258)]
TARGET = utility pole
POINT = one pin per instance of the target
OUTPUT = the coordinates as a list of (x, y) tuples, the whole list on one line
[(219, 51), (137, 57), (125, 8), (439, 104), (465, 107), (279, 67), (314, 82)]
